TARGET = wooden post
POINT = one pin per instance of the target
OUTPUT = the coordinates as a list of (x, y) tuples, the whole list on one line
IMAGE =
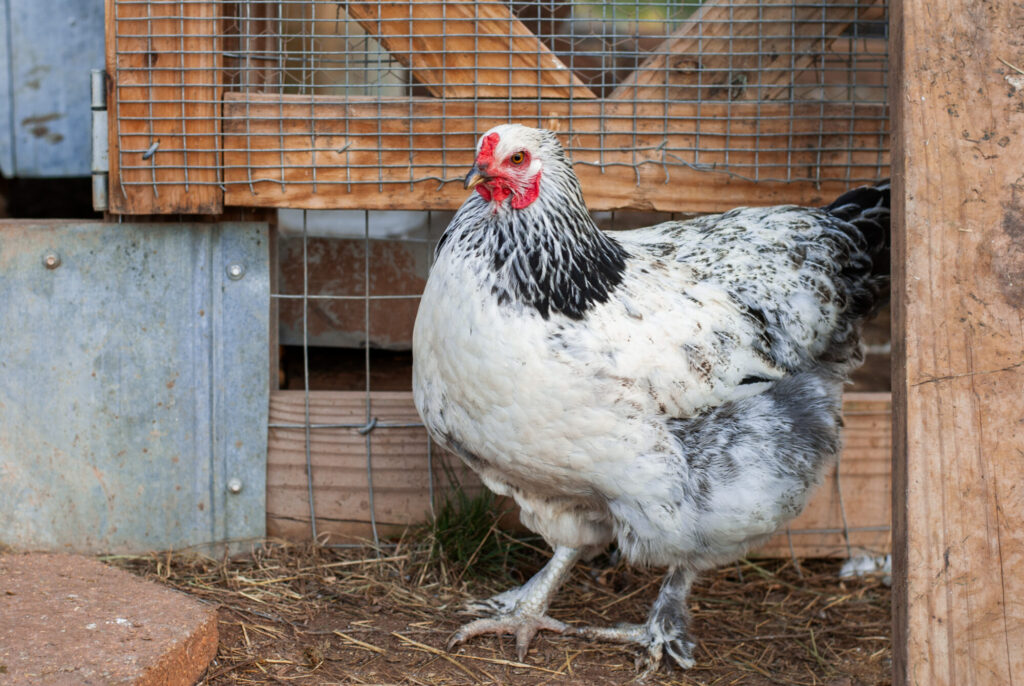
[(958, 342)]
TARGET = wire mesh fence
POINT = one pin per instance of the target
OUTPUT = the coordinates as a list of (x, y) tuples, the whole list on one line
[(377, 105), (316, 103), (349, 457)]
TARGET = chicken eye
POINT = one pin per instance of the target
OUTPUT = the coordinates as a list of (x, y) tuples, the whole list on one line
[(517, 158)]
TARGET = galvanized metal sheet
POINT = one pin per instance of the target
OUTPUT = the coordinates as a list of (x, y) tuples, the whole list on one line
[(6, 117), (133, 384), (50, 47)]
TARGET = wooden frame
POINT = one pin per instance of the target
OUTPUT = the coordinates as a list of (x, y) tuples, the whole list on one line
[(680, 61), (163, 96), (278, 149), (432, 38)]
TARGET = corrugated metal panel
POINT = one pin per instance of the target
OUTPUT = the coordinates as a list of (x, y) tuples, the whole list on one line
[(50, 46), (133, 384)]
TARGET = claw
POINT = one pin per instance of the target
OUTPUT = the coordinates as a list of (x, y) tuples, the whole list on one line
[(501, 604), (682, 652), (650, 662), (521, 611), (654, 647), (524, 628), (523, 639), (647, 664)]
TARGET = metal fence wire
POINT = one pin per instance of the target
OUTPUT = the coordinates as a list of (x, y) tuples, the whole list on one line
[(316, 98), (766, 90), (343, 452)]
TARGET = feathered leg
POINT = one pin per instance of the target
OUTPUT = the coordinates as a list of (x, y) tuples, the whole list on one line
[(666, 628), (522, 611)]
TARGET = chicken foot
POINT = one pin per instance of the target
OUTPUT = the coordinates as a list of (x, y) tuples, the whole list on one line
[(666, 628), (522, 611)]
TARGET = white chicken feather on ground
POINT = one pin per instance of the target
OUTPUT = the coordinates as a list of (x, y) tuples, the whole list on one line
[(676, 389)]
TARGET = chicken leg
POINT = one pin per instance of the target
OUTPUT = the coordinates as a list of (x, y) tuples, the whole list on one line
[(522, 611), (666, 628)]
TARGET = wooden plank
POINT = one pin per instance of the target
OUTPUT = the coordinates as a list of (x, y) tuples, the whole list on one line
[(852, 70), (468, 49), (742, 50), (165, 73), (341, 490), (400, 476), (648, 156), (958, 261)]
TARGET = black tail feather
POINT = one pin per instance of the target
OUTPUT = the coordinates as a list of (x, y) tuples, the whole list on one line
[(867, 209), (864, 216)]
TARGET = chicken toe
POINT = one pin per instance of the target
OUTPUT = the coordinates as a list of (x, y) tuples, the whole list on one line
[(655, 640), (523, 626), (521, 611), (501, 604), (666, 630)]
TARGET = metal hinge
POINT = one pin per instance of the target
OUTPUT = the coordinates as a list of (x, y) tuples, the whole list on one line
[(100, 141)]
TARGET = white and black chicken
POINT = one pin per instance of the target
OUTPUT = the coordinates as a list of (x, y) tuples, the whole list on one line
[(675, 388)]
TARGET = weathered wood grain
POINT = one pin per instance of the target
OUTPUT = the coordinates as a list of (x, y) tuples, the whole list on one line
[(958, 339), (341, 489), (165, 74), (468, 49), (400, 475), (852, 69), (361, 153), (742, 50)]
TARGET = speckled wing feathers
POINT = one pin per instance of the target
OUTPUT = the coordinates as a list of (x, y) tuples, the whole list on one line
[(793, 275)]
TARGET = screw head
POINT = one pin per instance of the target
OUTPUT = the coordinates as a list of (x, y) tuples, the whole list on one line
[(236, 271), (51, 260), (235, 485)]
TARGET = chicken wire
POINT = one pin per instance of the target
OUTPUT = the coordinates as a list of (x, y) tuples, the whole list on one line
[(793, 65), (762, 91), (418, 233)]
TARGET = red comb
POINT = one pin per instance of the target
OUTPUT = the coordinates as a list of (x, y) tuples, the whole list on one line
[(487, 146)]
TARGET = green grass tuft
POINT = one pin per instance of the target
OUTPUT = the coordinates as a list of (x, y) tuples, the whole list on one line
[(466, 540)]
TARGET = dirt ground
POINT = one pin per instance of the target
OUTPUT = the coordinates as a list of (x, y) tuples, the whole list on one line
[(317, 615)]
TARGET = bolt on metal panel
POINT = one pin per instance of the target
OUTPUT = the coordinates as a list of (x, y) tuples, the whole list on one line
[(133, 385)]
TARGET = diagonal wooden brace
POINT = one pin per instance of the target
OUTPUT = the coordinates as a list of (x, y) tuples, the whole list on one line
[(742, 49), (468, 49)]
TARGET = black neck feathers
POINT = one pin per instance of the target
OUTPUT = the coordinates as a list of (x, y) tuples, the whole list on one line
[(550, 256)]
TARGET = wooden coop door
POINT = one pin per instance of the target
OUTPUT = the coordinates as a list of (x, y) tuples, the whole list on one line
[(673, 106)]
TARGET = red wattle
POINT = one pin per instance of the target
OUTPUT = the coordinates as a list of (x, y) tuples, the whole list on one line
[(499, 193)]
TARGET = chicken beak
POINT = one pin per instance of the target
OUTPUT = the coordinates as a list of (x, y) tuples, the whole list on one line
[(475, 177)]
